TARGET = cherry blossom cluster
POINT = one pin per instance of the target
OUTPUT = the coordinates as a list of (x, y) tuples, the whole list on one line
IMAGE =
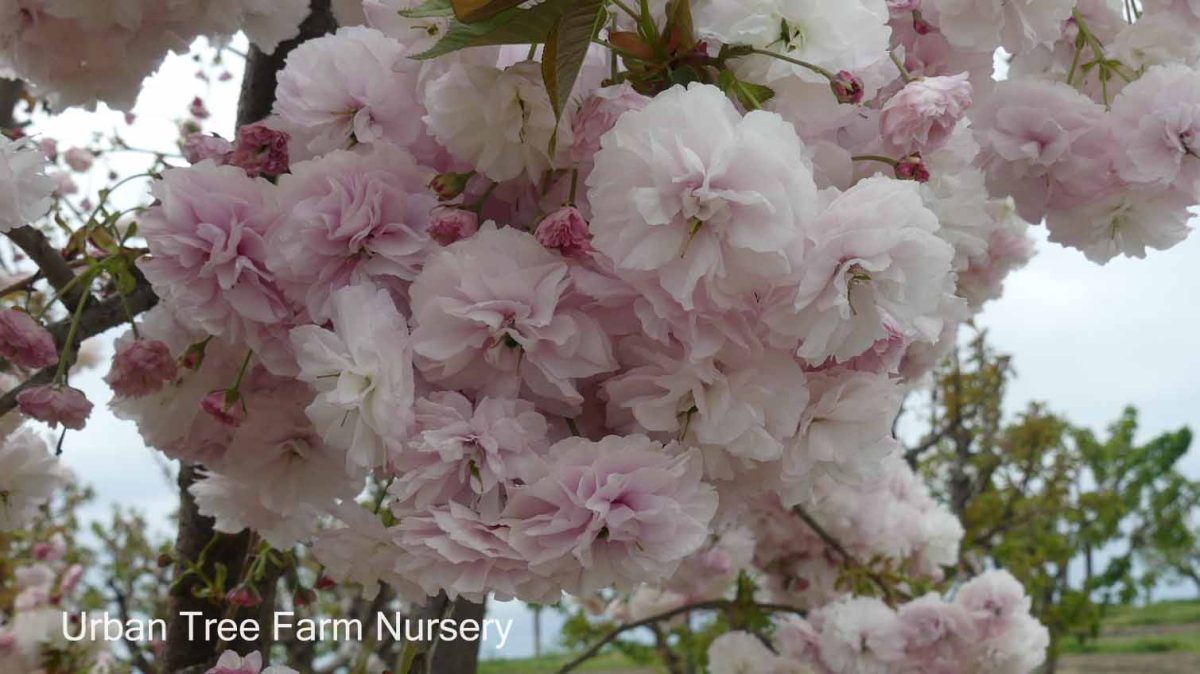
[(45, 586), (620, 343), (984, 627), (569, 353), (80, 52)]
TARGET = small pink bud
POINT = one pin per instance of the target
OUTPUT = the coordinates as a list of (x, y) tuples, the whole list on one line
[(49, 148), (566, 231), (243, 596), (200, 146), (140, 368), (920, 25), (56, 404), (260, 151), (79, 159), (304, 597), (847, 87), (24, 341), (198, 109), (912, 167), (449, 185), (225, 410), (448, 224), (325, 583)]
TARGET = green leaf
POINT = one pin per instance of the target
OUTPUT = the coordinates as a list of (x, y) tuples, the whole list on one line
[(474, 11), (512, 26), (750, 95), (428, 9), (566, 46)]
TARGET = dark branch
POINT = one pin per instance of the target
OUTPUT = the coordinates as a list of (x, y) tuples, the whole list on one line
[(889, 592), (135, 649), (96, 319), (51, 262)]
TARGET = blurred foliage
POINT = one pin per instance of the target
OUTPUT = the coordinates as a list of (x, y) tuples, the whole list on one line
[(1041, 498)]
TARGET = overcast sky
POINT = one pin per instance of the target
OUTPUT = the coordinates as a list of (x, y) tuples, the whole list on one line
[(1086, 339)]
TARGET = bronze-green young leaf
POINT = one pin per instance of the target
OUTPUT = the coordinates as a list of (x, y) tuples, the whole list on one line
[(511, 26)]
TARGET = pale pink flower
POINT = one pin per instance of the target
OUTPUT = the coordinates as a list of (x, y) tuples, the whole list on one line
[(56, 404), (1044, 144), (363, 373), (207, 240), (1017, 25), (351, 217), (1157, 118), (201, 146), (470, 453), (141, 367), (79, 159), (235, 505), (924, 113), (566, 231), (860, 636), (231, 663), (1126, 223), (936, 632), (25, 189), (29, 477), (867, 277), (498, 120), (740, 653), (994, 600), (618, 512), (24, 340), (277, 440), (706, 202), (448, 224), (451, 548), (357, 86), (493, 313), (597, 114)]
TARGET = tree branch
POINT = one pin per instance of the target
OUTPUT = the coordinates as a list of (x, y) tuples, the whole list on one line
[(54, 267), (890, 593), (135, 649), (96, 318), (716, 605)]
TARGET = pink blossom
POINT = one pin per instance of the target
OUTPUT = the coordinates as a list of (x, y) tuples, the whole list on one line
[(566, 231), (450, 548), (994, 600), (448, 224), (493, 314), (79, 159), (597, 114), (141, 367), (1044, 144), (936, 632), (351, 217), (260, 151), (201, 146), (699, 199), (198, 109), (925, 111), (860, 636), (471, 453), (847, 88), (228, 413), (24, 341), (1157, 118), (232, 663), (207, 240), (619, 511), (56, 404)]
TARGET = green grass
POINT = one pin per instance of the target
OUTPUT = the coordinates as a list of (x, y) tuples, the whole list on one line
[(1165, 643), (548, 664), (1162, 613)]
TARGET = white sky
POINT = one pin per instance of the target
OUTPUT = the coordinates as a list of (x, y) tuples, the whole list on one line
[(1087, 339)]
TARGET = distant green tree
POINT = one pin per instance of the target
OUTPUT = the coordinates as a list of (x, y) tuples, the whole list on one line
[(1037, 496)]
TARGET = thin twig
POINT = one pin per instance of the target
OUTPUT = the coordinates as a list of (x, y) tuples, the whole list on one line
[(716, 605), (54, 267), (848, 559)]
